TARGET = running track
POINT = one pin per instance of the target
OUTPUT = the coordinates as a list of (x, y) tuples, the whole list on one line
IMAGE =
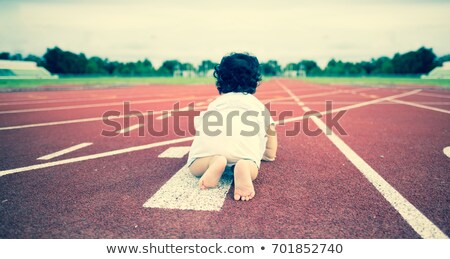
[(387, 177)]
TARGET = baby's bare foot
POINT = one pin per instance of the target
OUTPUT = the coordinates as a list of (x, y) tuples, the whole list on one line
[(212, 175), (209, 179), (243, 186)]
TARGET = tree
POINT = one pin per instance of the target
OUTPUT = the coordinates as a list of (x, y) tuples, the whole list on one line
[(16, 56), (33, 58), (292, 67), (443, 59), (382, 66), (169, 67), (96, 65), (270, 68), (367, 67), (421, 61), (53, 58), (146, 68), (65, 62), (340, 68), (206, 65), (308, 66), (187, 67), (4, 55)]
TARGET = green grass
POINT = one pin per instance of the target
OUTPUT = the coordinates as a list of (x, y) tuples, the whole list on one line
[(114, 81), (29, 83), (378, 81)]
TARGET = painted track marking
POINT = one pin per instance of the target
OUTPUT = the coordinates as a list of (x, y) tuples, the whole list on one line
[(71, 107), (54, 123), (435, 95), (64, 100), (147, 146), (350, 102), (94, 156), (182, 192), (350, 107), (64, 151), (420, 106), (129, 129), (175, 152), (419, 222), (168, 114)]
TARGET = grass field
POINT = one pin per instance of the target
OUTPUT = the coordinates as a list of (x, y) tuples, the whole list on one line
[(384, 81), (114, 81)]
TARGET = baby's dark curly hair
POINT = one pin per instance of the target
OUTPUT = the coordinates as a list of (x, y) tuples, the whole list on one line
[(237, 72)]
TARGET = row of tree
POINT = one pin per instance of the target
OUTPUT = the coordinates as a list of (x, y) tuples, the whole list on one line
[(58, 61), (421, 61)]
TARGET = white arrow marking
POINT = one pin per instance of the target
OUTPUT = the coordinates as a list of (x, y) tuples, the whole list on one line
[(175, 152), (182, 192)]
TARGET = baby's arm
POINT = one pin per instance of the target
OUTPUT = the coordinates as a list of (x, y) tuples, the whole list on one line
[(272, 143)]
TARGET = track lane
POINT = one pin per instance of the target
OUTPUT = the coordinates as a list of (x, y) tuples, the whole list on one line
[(97, 198)]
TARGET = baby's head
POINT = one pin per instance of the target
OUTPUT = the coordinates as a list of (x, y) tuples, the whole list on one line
[(237, 72)]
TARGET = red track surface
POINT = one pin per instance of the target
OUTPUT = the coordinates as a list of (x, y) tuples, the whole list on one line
[(311, 191)]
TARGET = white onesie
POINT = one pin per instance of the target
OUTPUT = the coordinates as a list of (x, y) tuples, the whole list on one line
[(234, 126)]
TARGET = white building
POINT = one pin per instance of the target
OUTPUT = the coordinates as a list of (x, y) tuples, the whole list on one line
[(439, 72), (294, 73), (184, 73), (12, 69)]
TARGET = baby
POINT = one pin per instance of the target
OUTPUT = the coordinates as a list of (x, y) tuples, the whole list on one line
[(236, 132)]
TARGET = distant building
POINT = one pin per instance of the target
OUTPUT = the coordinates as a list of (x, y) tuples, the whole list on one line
[(439, 72), (11, 69), (294, 73), (184, 73)]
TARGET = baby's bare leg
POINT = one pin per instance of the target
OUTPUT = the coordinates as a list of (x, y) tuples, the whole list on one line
[(210, 169), (245, 172)]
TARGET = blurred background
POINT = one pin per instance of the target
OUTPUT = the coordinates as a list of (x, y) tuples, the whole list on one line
[(186, 39)]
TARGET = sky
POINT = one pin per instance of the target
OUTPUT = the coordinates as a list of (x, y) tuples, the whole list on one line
[(192, 31)]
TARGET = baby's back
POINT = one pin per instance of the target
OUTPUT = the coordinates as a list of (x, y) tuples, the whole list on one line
[(233, 126)]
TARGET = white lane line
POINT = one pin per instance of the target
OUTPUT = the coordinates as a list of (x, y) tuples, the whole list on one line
[(54, 123), (63, 100), (446, 151), (421, 106), (64, 151), (168, 114), (348, 102), (84, 106), (125, 99), (419, 222), (434, 95), (87, 99), (319, 94), (129, 129), (349, 107), (175, 152), (126, 150), (94, 156), (182, 192)]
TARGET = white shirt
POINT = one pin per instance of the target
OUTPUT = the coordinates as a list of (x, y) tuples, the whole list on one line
[(234, 126)]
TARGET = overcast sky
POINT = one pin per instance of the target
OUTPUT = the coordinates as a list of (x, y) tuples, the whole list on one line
[(288, 31)]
